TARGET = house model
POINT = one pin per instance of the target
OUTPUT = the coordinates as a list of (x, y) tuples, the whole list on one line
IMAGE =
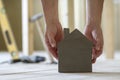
[(74, 53)]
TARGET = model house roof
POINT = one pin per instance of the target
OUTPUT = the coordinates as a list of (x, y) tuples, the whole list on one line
[(75, 35)]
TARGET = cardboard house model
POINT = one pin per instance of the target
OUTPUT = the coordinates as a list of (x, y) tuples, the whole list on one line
[(74, 53)]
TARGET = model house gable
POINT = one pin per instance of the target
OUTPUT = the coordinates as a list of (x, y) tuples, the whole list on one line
[(75, 35), (74, 52)]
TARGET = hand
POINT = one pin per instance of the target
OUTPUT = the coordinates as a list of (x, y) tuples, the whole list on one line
[(94, 33), (53, 36)]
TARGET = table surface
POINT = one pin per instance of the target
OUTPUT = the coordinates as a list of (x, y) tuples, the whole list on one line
[(102, 70)]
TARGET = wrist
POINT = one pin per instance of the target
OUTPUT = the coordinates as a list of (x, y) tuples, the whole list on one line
[(51, 22), (93, 24), (93, 20)]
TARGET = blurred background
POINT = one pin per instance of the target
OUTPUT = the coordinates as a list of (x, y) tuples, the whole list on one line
[(71, 14)]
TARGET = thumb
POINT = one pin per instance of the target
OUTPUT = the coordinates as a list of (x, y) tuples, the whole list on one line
[(98, 45), (51, 39)]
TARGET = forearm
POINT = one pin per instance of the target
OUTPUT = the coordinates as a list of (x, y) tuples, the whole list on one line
[(94, 11), (50, 8)]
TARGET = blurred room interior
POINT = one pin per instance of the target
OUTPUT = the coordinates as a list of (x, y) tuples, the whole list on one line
[(71, 14)]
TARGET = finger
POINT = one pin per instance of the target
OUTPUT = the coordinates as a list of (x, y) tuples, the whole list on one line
[(94, 60), (50, 48), (99, 48), (94, 53), (59, 36), (99, 40), (98, 45), (98, 53), (53, 51), (51, 39)]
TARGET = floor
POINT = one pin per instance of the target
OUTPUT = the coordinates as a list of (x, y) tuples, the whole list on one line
[(102, 70)]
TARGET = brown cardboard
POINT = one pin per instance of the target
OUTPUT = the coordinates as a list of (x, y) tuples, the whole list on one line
[(74, 53)]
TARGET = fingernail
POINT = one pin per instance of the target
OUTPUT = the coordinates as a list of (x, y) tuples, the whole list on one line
[(98, 48), (53, 45)]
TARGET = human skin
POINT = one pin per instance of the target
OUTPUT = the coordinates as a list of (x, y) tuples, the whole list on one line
[(54, 32), (93, 31)]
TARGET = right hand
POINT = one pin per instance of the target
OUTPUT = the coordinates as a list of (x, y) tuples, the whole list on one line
[(94, 33), (53, 36)]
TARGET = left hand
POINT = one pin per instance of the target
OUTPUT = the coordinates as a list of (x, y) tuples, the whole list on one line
[(53, 35)]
